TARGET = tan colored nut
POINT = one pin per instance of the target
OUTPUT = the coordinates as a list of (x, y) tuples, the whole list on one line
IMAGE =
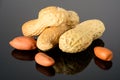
[(50, 37), (52, 16), (49, 16), (95, 26), (73, 18), (74, 41), (80, 37), (29, 28)]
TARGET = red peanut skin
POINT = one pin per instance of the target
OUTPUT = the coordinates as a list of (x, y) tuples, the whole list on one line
[(23, 43), (103, 53), (43, 59)]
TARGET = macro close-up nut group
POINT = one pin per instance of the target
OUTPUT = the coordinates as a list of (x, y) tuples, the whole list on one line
[(52, 22), (58, 26)]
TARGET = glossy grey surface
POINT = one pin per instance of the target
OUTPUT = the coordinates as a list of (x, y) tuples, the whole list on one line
[(13, 13)]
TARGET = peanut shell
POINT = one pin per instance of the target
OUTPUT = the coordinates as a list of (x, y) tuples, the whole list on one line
[(80, 37)]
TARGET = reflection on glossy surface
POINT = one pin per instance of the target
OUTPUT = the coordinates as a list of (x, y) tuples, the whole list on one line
[(65, 63), (24, 54), (105, 65), (73, 63), (48, 71)]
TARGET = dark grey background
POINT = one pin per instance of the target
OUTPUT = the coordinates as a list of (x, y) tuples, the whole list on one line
[(13, 13)]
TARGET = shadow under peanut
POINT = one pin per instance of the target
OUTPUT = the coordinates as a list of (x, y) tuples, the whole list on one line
[(65, 63), (105, 65), (73, 63), (47, 71), (25, 55)]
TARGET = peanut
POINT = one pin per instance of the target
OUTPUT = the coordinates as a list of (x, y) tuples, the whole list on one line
[(73, 18), (50, 37), (51, 23), (23, 43), (103, 53), (94, 27), (43, 59), (29, 28), (47, 17), (80, 37)]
